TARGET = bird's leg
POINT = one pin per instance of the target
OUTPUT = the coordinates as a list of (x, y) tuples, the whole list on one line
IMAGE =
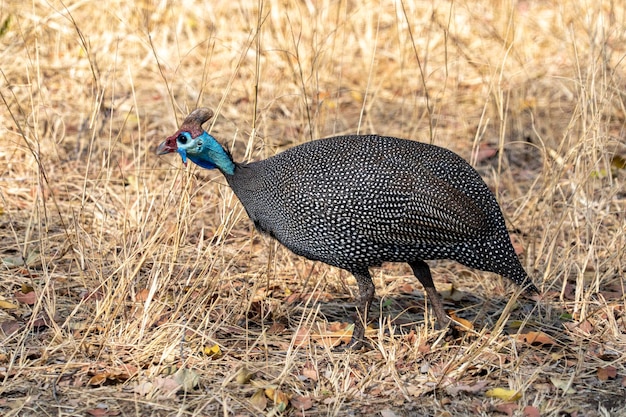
[(366, 294), (422, 272)]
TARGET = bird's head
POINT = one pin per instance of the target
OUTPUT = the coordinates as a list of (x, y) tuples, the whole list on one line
[(192, 142)]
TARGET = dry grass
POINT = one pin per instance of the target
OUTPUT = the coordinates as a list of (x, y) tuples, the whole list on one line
[(121, 270)]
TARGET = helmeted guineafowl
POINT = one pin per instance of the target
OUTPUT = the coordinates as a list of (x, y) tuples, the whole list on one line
[(360, 200)]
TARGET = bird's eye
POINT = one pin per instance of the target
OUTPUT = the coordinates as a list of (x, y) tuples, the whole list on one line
[(182, 139)]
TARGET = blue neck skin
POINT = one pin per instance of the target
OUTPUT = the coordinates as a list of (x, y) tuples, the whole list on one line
[(212, 155)]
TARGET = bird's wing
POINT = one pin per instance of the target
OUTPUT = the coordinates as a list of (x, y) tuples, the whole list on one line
[(421, 210)]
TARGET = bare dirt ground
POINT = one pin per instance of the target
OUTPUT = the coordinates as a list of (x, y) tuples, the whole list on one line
[(132, 285)]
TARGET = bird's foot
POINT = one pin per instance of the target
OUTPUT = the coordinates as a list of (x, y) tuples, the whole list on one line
[(354, 345)]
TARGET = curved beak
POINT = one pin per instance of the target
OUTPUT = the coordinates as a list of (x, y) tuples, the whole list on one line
[(167, 146)]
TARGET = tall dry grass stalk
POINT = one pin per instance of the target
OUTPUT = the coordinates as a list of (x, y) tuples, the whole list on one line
[(139, 266)]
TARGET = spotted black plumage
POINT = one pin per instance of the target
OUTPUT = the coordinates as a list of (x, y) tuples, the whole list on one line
[(360, 200)]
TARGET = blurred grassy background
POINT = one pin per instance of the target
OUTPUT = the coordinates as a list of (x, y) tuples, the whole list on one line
[(122, 271)]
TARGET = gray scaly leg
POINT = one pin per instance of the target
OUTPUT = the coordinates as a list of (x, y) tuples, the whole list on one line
[(366, 294), (422, 272)]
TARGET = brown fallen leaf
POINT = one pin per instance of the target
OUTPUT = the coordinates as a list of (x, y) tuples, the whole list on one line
[(530, 411), (309, 372), (507, 408), (92, 295), (424, 348), (302, 403), (276, 328), (517, 245), (142, 295), (167, 386), (411, 337), (464, 325), (41, 323), (337, 326), (280, 399), (302, 337), (117, 375), (536, 338), (259, 400), (569, 291), (485, 151), (607, 373), (612, 296), (102, 412), (99, 378), (586, 326), (11, 326), (28, 298)]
